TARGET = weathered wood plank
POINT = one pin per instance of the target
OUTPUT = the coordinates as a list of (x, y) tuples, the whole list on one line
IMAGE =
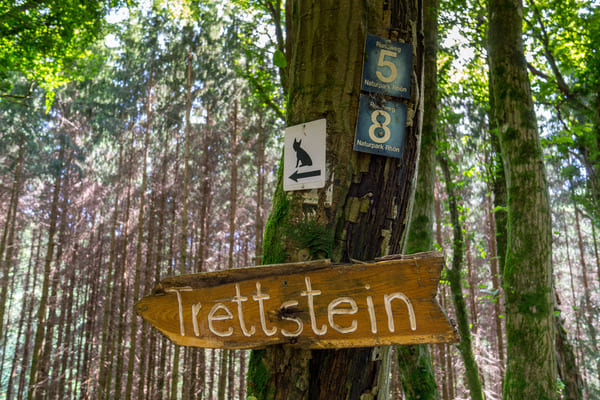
[(314, 304)]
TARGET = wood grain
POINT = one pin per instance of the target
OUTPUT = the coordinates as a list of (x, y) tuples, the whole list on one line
[(314, 304)]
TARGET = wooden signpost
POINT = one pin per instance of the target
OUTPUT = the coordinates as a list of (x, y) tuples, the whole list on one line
[(313, 304)]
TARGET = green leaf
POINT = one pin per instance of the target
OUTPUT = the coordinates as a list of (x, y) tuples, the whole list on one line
[(279, 59), (500, 208)]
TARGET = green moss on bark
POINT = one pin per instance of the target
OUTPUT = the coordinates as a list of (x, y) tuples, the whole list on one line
[(316, 238), (274, 251), (258, 376), (418, 380)]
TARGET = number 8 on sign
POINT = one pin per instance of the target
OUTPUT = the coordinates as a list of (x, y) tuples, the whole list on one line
[(378, 126)]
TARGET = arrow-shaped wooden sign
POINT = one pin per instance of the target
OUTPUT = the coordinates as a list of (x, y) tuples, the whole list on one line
[(314, 304)]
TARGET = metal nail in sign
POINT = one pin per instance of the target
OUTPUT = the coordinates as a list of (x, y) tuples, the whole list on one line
[(313, 304)]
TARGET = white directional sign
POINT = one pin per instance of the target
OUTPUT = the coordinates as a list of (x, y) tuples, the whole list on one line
[(304, 156)]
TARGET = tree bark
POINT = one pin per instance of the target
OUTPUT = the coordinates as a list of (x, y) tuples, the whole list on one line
[(531, 370), (36, 373), (109, 292), (8, 234), (371, 195), (414, 362), (140, 234), (454, 277)]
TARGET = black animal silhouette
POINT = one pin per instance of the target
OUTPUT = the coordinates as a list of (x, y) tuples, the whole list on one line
[(302, 156)]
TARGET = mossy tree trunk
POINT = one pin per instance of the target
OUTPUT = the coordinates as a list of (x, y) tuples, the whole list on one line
[(371, 195), (531, 370), (414, 362), (453, 275)]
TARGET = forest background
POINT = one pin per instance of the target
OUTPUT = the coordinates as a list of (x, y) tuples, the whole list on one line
[(142, 140)]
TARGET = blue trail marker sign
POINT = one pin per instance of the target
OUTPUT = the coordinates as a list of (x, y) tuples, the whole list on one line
[(380, 127), (386, 76), (387, 67)]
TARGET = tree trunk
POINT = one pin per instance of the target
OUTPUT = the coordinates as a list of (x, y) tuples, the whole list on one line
[(140, 234), (187, 383), (8, 234), (414, 362), (495, 275), (454, 277), (116, 346), (531, 370), (370, 194), (233, 184), (260, 188), (109, 292), (20, 354), (567, 363), (36, 372)]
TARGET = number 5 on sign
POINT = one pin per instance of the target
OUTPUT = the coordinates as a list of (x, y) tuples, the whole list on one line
[(387, 63), (387, 67)]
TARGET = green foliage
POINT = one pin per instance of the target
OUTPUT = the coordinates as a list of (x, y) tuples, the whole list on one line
[(279, 59), (48, 42), (563, 40)]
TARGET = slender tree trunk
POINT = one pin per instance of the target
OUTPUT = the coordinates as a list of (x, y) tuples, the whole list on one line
[(596, 253), (454, 276), (116, 367), (211, 373), (109, 294), (8, 288), (161, 386), (147, 341), (414, 362), (471, 282), (242, 375), (20, 351), (496, 287), (231, 375), (188, 383), (140, 234), (222, 389), (531, 370), (30, 327), (205, 189), (567, 363), (574, 302), (260, 188), (89, 368), (8, 234), (233, 185), (37, 374)]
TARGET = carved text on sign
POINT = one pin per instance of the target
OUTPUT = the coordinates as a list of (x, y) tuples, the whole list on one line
[(315, 304), (222, 311)]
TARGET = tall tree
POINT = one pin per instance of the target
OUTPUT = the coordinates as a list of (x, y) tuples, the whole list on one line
[(414, 362), (37, 372), (531, 370), (370, 194)]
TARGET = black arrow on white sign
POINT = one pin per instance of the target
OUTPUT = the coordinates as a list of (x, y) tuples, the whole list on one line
[(301, 175)]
